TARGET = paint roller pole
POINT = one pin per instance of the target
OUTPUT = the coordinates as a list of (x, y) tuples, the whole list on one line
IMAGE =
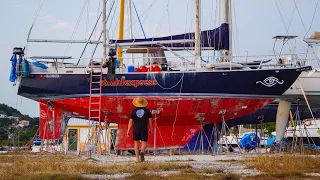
[(282, 119), (155, 136), (155, 112)]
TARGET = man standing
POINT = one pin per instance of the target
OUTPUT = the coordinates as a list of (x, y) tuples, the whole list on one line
[(140, 117)]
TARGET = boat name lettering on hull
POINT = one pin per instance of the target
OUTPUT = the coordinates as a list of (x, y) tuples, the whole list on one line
[(134, 83), (52, 76)]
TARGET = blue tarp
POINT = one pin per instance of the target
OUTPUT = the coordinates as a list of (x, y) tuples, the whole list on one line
[(216, 39), (271, 139), (315, 147), (249, 141), (39, 64), (13, 75)]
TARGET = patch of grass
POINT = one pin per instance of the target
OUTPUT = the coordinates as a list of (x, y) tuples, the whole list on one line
[(229, 160), (284, 164), (142, 176), (310, 151), (20, 166), (210, 171), (180, 160), (197, 176), (55, 177), (268, 176), (190, 159), (189, 171)]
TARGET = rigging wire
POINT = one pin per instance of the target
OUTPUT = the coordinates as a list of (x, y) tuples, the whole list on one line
[(112, 20), (95, 48), (290, 44), (162, 18), (87, 21), (92, 33), (144, 34), (235, 33), (296, 6), (95, 29), (76, 27), (144, 13), (34, 22), (304, 24), (169, 23), (314, 14)]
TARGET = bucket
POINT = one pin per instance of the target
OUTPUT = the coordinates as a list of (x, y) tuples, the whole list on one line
[(131, 69), (155, 68), (144, 69)]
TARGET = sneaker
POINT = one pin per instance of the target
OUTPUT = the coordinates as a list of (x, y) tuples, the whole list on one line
[(142, 156)]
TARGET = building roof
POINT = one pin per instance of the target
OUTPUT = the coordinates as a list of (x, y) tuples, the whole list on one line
[(84, 122)]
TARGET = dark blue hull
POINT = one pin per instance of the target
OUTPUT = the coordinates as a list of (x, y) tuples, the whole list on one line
[(247, 83), (269, 113)]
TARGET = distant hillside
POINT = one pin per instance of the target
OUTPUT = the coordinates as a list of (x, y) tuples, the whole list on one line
[(9, 128), (10, 111)]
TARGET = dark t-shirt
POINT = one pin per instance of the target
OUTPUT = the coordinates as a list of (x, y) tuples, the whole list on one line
[(140, 117)]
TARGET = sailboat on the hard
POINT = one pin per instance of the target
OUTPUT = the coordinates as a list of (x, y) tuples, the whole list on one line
[(180, 98)]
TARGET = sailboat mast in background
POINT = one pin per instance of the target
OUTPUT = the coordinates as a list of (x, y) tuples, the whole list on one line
[(104, 31), (131, 28), (197, 56), (226, 19)]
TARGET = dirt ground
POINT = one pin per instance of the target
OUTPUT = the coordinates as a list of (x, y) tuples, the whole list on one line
[(212, 166)]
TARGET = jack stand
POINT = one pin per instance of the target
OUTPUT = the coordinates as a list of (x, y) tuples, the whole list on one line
[(223, 132), (201, 119), (90, 149), (155, 112), (258, 145), (224, 129)]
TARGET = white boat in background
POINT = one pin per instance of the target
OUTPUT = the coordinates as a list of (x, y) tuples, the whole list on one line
[(308, 130), (234, 139), (308, 82)]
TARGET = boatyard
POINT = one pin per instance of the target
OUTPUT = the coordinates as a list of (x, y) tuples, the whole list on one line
[(150, 90)]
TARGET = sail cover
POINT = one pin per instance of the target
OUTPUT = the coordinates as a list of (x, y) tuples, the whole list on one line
[(216, 39)]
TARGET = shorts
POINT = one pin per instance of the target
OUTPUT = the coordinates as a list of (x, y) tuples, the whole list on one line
[(140, 136)]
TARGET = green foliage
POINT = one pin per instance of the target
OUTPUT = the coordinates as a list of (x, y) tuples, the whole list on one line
[(9, 126), (270, 127)]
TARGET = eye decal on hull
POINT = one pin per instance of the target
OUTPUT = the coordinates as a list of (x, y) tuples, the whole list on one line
[(270, 81)]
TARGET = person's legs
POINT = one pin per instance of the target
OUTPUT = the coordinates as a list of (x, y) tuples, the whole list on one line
[(143, 146), (136, 150), (143, 149)]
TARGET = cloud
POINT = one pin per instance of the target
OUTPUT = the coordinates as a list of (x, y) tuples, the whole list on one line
[(61, 25), (93, 14), (48, 18), (3, 50), (55, 22)]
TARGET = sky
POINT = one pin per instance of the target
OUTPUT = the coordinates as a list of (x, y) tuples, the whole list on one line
[(255, 22)]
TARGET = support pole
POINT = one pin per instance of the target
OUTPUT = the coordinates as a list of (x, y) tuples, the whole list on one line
[(155, 136)]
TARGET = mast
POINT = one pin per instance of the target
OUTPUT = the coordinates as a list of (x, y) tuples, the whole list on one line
[(226, 19), (121, 30), (130, 25), (197, 58), (104, 31)]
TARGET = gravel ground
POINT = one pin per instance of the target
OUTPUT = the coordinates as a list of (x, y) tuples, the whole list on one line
[(226, 163)]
